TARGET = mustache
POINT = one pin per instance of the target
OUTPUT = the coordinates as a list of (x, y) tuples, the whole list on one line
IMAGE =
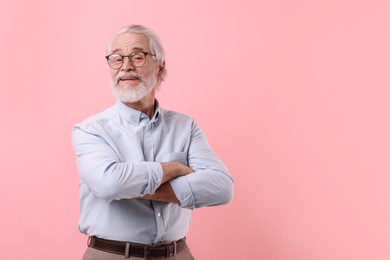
[(123, 74)]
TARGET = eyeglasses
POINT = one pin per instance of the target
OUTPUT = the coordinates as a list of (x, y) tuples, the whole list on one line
[(138, 58)]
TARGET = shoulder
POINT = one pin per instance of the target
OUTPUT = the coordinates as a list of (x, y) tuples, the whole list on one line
[(176, 117), (98, 120)]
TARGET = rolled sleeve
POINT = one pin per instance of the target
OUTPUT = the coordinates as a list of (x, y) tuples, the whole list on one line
[(182, 189), (109, 178), (210, 184)]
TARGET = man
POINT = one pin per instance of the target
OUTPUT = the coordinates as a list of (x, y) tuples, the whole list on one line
[(142, 168)]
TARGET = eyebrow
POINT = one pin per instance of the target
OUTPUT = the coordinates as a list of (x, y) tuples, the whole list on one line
[(134, 49)]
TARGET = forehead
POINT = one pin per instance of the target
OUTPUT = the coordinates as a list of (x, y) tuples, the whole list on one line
[(128, 42)]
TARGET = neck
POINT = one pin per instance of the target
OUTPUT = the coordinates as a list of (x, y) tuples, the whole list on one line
[(146, 105)]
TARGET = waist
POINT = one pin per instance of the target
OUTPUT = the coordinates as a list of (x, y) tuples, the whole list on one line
[(137, 216), (129, 249)]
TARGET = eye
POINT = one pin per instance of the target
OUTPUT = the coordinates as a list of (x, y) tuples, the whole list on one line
[(138, 56), (116, 58)]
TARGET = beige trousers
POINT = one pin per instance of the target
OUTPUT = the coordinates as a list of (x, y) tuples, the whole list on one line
[(94, 254)]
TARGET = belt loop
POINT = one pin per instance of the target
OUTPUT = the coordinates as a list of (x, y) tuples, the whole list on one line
[(90, 242), (146, 252), (127, 252), (174, 247)]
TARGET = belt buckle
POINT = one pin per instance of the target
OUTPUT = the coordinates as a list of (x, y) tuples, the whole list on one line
[(171, 249)]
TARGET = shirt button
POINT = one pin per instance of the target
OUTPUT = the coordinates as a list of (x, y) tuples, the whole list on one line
[(159, 214)]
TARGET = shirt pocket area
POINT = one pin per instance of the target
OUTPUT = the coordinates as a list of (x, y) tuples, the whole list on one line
[(173, 157)]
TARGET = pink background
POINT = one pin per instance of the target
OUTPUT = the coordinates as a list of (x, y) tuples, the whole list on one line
[(293, 96)]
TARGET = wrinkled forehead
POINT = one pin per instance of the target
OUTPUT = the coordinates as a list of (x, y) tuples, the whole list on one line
[(129, 42)]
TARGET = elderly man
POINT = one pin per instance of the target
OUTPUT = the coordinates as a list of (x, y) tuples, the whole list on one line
[(142, 169)]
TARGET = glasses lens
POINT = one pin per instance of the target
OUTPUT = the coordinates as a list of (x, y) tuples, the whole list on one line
[(115, 61), (138, 58)]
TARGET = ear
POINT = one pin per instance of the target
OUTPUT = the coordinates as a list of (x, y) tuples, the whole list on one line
[(160, 73), (161, 70)]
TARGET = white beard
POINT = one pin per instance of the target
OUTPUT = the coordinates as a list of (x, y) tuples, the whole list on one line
[(133, 94)]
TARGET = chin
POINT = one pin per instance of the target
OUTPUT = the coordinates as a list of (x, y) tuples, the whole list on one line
[(131, 94), (128, 85)]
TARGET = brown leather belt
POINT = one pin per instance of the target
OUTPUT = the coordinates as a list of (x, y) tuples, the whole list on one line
[(138, 250)]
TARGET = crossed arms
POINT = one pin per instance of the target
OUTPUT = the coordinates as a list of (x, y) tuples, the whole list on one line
[(205, 181)]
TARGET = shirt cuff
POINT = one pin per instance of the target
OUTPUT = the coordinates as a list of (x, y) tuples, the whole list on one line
[(155, 176), (183, 192)]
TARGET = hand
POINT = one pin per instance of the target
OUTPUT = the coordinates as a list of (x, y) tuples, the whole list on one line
[(164, 193), (172, 170)]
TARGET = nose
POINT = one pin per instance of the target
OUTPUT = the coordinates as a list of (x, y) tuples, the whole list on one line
[(127, 64)]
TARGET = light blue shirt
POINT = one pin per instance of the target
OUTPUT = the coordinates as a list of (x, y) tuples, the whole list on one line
[(119, 152)]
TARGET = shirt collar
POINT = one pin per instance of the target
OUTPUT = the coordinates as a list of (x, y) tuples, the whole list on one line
[(134, 116)]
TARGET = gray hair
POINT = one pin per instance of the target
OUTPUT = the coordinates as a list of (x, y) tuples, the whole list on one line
[(154, 44)]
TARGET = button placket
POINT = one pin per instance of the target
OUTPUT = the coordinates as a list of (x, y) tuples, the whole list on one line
[(159, 222)]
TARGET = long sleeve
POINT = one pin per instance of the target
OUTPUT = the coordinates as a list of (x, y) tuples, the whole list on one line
[(119, 154), (109, 178), (210, 184)]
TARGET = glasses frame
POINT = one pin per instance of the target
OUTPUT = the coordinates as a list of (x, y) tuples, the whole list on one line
[(130, 56)]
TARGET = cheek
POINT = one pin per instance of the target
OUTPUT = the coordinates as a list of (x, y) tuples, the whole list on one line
[(153, 71)]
